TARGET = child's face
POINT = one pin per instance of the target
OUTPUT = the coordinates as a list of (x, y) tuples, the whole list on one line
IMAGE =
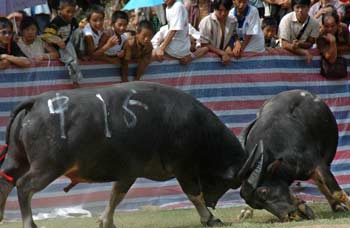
[(67, 13), (241, 5), (144, 36), (29, 33), (96, 21), (5, 35), (269, 32), (120, 26)]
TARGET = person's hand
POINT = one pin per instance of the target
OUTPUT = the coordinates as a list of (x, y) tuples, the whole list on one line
[(121, 54), (61, 44), (4, 56), (39, 58), (225, 58), (285, 4), (112, 41), (308, 56), (4, 63), (237, 50), (160, 54), (295, 44), (330, 38)]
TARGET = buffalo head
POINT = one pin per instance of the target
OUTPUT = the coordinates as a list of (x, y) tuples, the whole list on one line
[(262, 191)]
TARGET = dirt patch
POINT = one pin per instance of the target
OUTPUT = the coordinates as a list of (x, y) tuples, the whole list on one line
[(325, 226)]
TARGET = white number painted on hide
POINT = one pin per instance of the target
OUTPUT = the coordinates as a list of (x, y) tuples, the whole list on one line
[(58, 105), (107, 131), (133, 118)]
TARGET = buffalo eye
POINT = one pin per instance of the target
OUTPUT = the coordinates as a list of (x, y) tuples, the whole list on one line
[(263, 192)]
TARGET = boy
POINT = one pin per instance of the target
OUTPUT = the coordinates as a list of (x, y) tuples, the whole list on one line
[(59, 33), (9, 51), (140, 48), (269, 27), (177, 43), (114, 48), (298, 31)]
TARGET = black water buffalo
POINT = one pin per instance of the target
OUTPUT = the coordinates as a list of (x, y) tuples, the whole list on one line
[(299, 137), (120, 133)]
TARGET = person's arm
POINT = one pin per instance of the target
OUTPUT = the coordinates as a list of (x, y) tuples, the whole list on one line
[(4, 64), (51, 54), (105, 44), (306, 44), (18, 61), (142, 65), (293, 47), (165, 44), (330, 53), (245, 42)]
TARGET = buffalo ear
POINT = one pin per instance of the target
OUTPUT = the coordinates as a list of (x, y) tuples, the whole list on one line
[(274, 166)]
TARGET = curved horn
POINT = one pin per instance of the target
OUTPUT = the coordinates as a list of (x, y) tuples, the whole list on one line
[(255, 176), (254, 156)]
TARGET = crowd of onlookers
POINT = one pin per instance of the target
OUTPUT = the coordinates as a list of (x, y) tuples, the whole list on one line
[(174, 30)]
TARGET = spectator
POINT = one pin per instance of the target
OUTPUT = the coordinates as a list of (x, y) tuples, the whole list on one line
[(42, 15), (248, 29), (141, 47), (177, 43), (155, 14), (196, 50), (319, 8), (59, 33), (116, 47), (16, 19), (217, 29), (259, 5), (32, 45), (346, 18), (93, 31), (298, 31), (276, 8), (269, 27), (334, 37), (193, 10), (9, 51)]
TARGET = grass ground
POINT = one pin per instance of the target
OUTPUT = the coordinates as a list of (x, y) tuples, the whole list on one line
[(186, 218)]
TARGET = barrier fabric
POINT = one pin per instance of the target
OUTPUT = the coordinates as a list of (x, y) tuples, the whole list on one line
[(234, 92)]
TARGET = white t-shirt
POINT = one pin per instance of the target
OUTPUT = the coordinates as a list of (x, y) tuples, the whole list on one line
[(113, 51), (96, 37), (251, 26), (177, 18)]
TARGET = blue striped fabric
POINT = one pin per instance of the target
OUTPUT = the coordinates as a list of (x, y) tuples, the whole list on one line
[(234, 92)]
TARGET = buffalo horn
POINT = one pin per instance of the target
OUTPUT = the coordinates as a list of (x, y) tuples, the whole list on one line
[(254, 177), (252, 159)]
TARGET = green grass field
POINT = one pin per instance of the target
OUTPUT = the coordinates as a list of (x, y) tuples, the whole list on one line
[(156, 218)]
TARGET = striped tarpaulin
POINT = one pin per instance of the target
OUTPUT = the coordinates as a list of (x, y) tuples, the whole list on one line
[(234, 92)]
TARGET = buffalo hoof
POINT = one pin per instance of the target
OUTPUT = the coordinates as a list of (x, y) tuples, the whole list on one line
[(213, 222), (104, 224), (245, 214), (339, 208), (305, 212)]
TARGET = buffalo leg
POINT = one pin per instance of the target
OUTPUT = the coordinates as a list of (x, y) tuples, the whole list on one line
[(118, 193), (191, 189), (33, 181), (5, 189), (328, 185)]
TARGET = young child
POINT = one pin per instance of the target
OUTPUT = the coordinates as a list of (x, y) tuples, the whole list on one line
[(140, 47), (177, 43), (115, 47), (269, 27), (59, 33), (94, 33), (9, 51)]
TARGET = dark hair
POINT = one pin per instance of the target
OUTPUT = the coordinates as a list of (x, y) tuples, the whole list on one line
[(4, 23), (215, 4), (94, 9), (132, 32), (24, 14), (145, 24), (269, 21), (333, 14), (28, 21), (65, 3), (119, 15), (301, 2)]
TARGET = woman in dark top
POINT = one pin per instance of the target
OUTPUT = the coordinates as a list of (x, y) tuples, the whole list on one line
[(9, 51)]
